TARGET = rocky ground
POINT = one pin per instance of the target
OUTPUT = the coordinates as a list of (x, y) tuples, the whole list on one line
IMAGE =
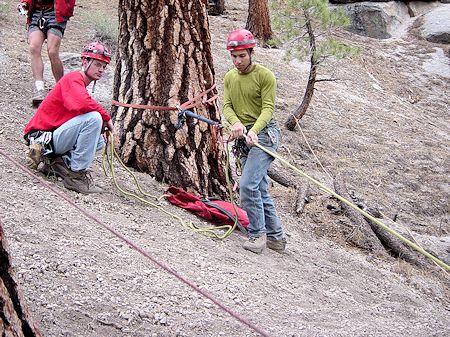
[(385, 123)]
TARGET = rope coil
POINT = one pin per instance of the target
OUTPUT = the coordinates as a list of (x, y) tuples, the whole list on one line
[(217, 232)]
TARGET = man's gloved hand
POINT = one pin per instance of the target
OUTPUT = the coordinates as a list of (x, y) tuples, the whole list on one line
[(22, 8)]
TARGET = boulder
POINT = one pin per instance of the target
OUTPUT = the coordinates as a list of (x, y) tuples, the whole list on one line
[(436, 25), (379, 20), (417, 8)]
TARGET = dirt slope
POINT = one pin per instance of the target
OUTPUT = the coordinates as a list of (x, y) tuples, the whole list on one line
[(385, 123)]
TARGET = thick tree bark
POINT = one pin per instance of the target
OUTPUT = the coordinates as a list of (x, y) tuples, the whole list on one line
[(258, 20), (15, 319), (164, 59), (307, 97), (216, 7)]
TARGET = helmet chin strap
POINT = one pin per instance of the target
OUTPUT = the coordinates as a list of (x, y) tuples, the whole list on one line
[(85, 70)]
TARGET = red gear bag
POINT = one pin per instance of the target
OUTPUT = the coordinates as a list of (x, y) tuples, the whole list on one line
[(219, 211)]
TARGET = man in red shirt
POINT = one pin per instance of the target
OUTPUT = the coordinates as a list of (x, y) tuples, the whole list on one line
[(46, 20), (66, 129)]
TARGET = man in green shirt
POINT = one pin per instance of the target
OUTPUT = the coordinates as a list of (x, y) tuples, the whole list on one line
[(249, 100)]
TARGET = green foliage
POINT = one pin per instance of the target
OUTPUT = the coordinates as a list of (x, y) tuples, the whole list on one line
[(105, 27), (290, 19)]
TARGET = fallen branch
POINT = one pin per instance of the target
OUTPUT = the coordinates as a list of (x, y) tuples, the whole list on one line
[(361, 234), (284, 178)]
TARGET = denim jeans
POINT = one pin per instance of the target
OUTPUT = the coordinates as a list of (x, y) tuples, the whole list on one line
[(254, 194), (78, 139)]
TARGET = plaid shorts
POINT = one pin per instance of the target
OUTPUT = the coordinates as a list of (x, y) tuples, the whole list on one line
[(44, 19)]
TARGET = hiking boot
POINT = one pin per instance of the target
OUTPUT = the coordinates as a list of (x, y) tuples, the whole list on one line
[(255, 244), (81, 182), (277, 245), (55, 167), (38, 97), (34, 155)]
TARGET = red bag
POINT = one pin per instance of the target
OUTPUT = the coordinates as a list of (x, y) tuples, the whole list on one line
[(215, 210)]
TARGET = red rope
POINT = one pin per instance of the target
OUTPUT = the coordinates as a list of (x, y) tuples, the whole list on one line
[(192, 103), (137, 248)]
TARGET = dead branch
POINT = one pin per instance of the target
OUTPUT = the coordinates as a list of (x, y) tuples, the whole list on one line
[(278, 174), (373, 235), (362, 235)]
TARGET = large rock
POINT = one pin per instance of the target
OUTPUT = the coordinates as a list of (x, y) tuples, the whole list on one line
[(379, 20), (436, 25), (417, 8)]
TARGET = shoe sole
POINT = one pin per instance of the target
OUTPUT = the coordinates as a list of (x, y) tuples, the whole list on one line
[(36, 102)]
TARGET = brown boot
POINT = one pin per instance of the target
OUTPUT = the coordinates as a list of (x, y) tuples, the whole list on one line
[(34, 155), (55, 167), (277, 245), (81, 182)]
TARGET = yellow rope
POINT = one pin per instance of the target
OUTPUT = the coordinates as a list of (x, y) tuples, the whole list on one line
[(108, 165), (352, 205)]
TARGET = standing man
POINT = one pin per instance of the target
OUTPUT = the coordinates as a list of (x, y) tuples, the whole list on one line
[(46, 20), (66, 130), (249, 100)]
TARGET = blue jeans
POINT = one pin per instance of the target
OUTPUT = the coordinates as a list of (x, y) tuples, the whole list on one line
[(78, 139), (254, 194)]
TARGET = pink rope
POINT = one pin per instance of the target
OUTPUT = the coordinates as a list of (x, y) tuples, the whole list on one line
[(133, 245)]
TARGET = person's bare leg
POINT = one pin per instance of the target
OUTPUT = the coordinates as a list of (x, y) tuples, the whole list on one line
[(53, 45), (36, 40)]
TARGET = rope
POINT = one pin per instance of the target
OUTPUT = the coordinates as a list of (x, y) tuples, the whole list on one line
[(192, 103), (108, 165), (140, 250), (352, 205)]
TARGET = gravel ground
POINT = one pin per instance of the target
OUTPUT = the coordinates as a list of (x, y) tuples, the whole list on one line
[(385, 123)]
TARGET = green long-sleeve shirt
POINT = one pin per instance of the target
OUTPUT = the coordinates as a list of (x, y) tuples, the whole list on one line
[(250, 98)]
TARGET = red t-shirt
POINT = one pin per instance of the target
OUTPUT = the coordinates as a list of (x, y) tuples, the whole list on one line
[(69, 98)]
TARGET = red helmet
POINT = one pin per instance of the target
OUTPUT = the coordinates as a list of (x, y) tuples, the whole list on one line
[(98, 51), (240, 39)]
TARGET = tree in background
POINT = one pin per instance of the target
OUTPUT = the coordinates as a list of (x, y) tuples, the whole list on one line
[(258, 20), (216, 7), (305, 29), (164, 59)]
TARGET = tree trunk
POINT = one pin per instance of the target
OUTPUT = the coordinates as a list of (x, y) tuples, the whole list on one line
[(258, 20), (216, 7), (301, 109), (15, 319), (164, 59)]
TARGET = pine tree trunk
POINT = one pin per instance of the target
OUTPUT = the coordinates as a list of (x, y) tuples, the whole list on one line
[(258, 20), (216, 7), (164, 59), (307, 97), (15, 319)]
